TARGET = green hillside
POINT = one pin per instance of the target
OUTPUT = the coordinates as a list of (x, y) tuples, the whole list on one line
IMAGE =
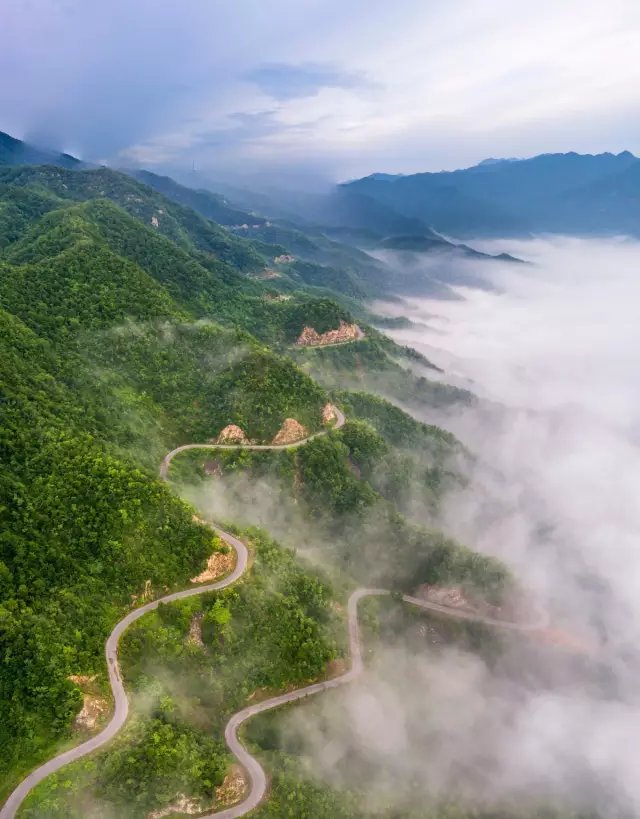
[(106, 363), (318, 260), (16, 152), (180, 224), (82, 530), (377, 365), (130, 324)]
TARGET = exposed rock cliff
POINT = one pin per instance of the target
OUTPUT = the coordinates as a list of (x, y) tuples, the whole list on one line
[(311, 338)]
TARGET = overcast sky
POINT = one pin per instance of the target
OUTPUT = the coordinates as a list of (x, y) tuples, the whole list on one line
[(341, 87)]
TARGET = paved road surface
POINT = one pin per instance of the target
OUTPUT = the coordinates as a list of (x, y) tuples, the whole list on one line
[(164, 466), (121, 703), (257, 775)]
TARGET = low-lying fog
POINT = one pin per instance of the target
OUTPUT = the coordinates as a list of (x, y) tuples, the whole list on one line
[(553, 352)]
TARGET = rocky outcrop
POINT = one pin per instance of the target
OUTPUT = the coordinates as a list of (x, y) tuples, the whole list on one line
[(284, 258), (233, 788), (93, 706), (329, 415), (311, 338), (444, 596), (229, 793), (232, 434), (92, 710), (289, 432)]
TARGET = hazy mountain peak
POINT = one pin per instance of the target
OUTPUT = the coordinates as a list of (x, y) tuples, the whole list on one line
[(552, 193), (16, 152)]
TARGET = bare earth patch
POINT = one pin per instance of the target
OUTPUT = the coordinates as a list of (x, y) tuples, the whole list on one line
[(267, 275), (220, 563), (336, 668), (310, 337), (277, 297), (144, 595), (82, 680), (182, 805), (290, 431), (233, 788), (455, 598), (232, 434), (329, 414), (231, 791), (93, 709)]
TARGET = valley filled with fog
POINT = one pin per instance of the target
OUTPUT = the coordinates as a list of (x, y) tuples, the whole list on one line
[(467, 717), (550, 349), (319, 410)]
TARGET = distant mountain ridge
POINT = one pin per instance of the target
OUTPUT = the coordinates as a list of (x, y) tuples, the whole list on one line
[(327, 240), (210, 205), (433, 242), (571, 193)]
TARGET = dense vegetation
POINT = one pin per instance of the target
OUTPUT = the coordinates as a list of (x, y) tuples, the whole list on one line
[(182, 225), (81, 531), (199, 378), (273, 630), (104, 366), (359, 497), (130, 324), (378, 367)]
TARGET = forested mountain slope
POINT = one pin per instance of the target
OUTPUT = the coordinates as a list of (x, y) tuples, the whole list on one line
[(131, 324), (318, 261), (182, 225), (16, 152), (81, 531), (104, 366)]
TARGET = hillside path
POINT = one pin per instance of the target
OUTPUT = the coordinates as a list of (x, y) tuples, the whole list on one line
[(255, 771)]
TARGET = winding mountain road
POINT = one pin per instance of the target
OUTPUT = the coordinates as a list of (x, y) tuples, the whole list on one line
[(255, 771), (166, 461)]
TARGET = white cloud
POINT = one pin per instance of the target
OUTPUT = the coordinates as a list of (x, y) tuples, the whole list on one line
[(443, 84), (555, 494)]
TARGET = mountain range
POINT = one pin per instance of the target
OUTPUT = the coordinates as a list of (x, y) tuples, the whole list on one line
[(136, 315), (16, 152), (130, 323), (550, 193), (554, 193)]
